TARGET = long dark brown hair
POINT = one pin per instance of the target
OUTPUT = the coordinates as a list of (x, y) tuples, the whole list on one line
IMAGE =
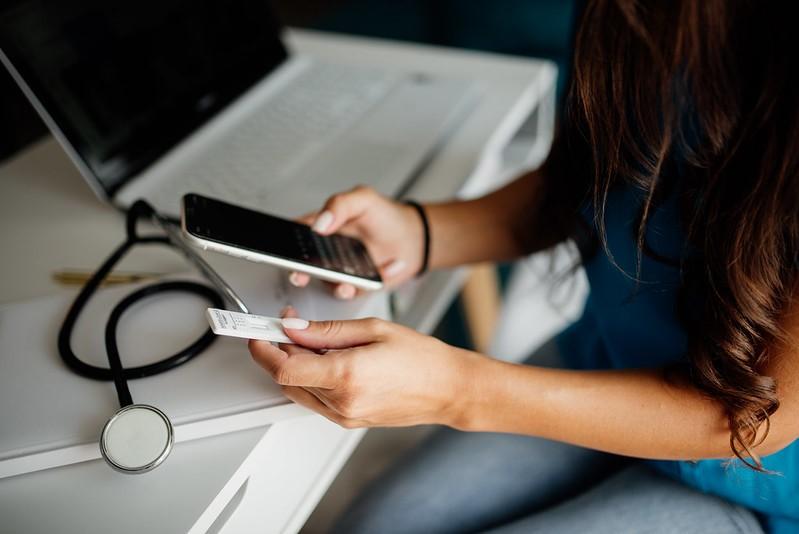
[(712, 83)]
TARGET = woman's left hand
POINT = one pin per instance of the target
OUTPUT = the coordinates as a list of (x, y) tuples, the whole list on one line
[(368, 372)]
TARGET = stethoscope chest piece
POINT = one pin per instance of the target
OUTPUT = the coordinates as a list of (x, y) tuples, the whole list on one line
[(137, 439)]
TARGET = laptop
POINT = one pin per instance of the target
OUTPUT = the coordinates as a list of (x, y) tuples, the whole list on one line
[(153, 99)]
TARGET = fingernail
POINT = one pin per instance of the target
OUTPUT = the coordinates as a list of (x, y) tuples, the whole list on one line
[(323, 221), (345, 292), (394, 268), (294, 323), (294, 279)]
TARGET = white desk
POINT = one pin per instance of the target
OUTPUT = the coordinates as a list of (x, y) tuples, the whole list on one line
[(266, 479)]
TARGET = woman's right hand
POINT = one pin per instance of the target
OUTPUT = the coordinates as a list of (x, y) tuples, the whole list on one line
[(391, 231)]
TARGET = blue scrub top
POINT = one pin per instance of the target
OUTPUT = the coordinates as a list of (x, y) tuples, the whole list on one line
[(628, 325)]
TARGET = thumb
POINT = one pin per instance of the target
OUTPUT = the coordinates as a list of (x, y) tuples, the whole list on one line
[(343, 208), (319, 335)]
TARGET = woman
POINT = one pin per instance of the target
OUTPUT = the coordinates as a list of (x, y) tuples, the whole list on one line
[(675, 170)]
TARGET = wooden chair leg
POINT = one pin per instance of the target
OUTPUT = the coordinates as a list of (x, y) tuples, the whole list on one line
[(481, 304)]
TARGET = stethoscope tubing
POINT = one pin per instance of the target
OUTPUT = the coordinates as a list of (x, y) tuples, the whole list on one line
[(116, 372)]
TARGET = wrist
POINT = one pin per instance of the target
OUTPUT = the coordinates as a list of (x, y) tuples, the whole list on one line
[(470, 371)]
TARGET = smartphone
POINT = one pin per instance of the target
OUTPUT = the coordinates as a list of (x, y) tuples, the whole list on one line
[(215, 225)]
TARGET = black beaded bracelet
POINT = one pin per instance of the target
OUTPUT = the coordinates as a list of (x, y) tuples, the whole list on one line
[(426, 227)]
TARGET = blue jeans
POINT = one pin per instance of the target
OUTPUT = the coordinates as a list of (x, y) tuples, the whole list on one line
[(457, 482)]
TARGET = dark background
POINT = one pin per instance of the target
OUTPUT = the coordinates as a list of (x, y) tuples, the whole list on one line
[(539, 28)]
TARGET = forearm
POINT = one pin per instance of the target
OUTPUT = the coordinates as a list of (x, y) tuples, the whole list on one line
[(638, 413), (499, 226)]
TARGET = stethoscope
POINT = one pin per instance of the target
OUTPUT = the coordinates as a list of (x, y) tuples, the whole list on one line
[(139, 437)]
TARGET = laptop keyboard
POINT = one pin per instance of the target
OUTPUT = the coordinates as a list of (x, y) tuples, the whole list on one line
[(286, 131)]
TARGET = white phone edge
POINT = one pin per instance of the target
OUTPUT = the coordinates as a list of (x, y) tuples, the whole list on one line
[(257, 257)]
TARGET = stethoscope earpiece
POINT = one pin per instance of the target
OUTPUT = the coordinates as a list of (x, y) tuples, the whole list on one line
[(137, 439)]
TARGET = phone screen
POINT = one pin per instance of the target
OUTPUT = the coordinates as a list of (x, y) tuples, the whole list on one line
[(224, 223)]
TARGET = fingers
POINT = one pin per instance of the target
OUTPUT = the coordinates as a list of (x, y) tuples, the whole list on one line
[(391, 271), (300, 368), (319, 335), (304, 398), (345, 291), (289, 348), (308, 218), (341, 291), (308, 399), (342, 208), (299, 279)]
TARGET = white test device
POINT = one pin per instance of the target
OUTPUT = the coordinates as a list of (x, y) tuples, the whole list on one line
[(246, 325)]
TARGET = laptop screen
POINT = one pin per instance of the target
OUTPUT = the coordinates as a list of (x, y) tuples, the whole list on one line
[(126, 81)]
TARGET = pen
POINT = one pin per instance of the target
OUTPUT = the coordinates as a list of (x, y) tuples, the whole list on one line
[(78, 277)]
